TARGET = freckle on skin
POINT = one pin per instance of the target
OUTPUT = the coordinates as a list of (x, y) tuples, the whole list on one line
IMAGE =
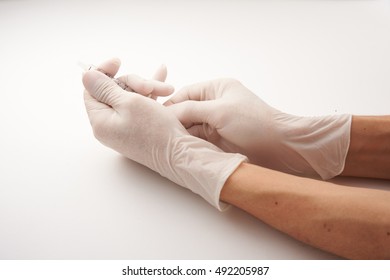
[(388, 233), (327, 227), (276, 203)]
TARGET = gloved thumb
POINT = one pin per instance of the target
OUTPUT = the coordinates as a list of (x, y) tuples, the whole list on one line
[(102, 88), (191, 112)]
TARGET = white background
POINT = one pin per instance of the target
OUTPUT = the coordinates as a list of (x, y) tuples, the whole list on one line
[(65, 196)]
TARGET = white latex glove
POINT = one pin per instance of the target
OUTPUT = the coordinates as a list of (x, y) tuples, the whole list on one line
[(147, 132), (230, 116)]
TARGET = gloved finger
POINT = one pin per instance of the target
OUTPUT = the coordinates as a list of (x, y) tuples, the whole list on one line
[(199, 92), (190, 113), (102, 88), (197, 131), (91, 104), (146, 87), (161, 73), (110, 67), (97, 111)]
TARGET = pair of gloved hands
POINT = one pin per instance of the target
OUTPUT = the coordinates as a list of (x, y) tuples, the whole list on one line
[(205, 131)]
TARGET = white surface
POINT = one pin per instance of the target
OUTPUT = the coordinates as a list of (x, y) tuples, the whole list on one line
[(63, 195)]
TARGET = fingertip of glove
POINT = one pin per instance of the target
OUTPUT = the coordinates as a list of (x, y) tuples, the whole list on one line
[(116, 61)]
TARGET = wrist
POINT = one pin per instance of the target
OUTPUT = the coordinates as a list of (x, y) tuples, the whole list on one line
[(369, 151), (203, 168), (319, 144)]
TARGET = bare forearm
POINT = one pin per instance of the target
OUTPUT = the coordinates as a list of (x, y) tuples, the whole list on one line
[(369, 151), (350, 222)]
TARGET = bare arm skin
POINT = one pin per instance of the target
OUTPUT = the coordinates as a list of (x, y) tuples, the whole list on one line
[(369, 151), (347, 221)]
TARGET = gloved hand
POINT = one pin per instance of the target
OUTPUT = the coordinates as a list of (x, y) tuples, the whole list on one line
[(230, 116), (148, 133)]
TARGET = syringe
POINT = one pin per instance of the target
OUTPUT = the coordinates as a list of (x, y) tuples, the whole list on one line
[(87, 67)]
